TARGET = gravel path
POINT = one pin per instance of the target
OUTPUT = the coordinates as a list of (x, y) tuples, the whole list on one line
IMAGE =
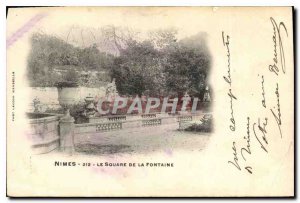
[(141, 140)]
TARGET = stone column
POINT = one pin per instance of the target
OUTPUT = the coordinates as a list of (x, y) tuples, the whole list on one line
[(66, 132)]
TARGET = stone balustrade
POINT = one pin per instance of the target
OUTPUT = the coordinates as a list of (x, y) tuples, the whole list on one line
[(108, 126), (56, 131), (117, 118), (109, 123), (151, 122), (148, 115), (185, 118)]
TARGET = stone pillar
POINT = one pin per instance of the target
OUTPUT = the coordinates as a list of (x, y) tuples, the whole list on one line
[(206, 100), (66, 132)]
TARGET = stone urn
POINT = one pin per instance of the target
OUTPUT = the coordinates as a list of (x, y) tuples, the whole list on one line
[(67, 92)]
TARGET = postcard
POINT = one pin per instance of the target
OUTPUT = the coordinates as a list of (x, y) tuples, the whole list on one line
[(150, 102)]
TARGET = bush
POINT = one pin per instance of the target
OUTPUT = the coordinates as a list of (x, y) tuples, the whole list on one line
[(205, 126), (76, 111)]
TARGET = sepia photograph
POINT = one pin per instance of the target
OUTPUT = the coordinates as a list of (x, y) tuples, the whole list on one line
[(150, 102), (114, 89)]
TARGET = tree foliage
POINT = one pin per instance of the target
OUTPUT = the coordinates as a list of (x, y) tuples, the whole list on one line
[(171, 69), (158, 66), (49, 54)]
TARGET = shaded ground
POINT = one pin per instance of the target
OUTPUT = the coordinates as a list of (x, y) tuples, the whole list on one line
[(101, 149), (163, 138)]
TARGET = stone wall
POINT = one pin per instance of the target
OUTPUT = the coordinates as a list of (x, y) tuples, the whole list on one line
[(43, 132), (48, 96), (49, 132)]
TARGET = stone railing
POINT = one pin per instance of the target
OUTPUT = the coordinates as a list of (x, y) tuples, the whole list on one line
[(56, 131), (108, 123), (151, 122), (108, 126), (148, 116), (113, 118), (103, 126), (185, 118), (116, 118)]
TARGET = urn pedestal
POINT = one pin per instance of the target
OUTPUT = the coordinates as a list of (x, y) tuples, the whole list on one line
[(66, 131), (66, 98)]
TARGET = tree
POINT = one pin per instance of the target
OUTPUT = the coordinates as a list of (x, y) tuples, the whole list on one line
[(174, 68), (160, 65), (187, 66), (162, 38), (50, 54), (138, 69), (120, 37)]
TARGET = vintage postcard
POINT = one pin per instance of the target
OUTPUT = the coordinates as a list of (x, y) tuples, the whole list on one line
[(150, 102)]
